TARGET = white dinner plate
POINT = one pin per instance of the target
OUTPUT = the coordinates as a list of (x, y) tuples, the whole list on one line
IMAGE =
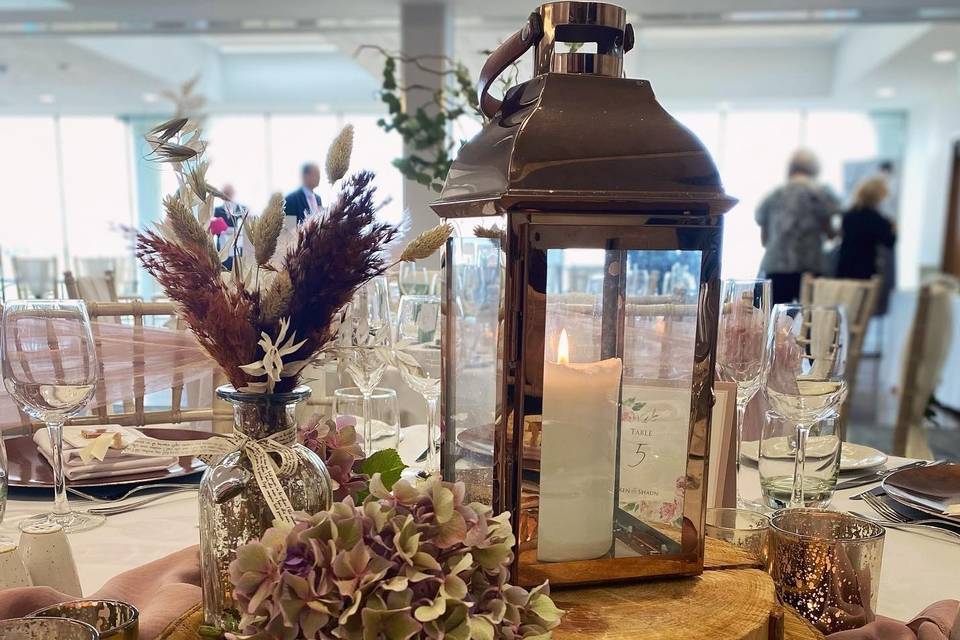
[(853, 457)]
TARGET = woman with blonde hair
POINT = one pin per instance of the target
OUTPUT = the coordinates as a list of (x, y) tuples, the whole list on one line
[(865, 230)]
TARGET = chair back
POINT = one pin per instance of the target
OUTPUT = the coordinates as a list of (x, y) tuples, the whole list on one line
[(93, 288), (36, 277), (859, 298), (925, 355)]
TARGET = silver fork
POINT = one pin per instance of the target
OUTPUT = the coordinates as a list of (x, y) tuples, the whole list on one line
[(890, 514), (908, 525), (131, 506), (137, 489)]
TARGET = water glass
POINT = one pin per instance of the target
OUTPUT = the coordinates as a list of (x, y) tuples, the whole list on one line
[(384, 414), (826, 566), (4, 479), (744, 529), (779, 445), (113, 619)]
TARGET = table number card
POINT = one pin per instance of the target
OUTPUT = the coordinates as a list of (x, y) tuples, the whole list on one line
[(722, 473), (653, 452)]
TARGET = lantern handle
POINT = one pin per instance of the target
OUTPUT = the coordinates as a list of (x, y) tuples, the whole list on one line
[(502, 57)]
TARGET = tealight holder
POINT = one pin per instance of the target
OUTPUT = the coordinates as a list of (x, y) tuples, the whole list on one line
[(113, 619), (826, 566), (46, 628)]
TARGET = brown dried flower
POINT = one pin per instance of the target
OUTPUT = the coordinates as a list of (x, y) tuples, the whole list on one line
[(338, 155), (427, 243)]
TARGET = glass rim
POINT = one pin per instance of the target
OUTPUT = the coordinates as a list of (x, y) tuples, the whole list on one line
[(354, 392), (420, 297), (799, 305), (229, 392), (878, 531), (70, 622), (761, 519), (134, 617)]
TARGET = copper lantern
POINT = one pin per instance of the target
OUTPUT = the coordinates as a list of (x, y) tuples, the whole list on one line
[(580, 309)]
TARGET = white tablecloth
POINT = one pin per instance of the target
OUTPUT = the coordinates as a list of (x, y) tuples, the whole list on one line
[(918, 569)]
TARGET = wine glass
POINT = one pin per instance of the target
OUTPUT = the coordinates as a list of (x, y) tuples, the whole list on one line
[(50, 368), (365, 343), (414, 280), (805, 383), (744, 316), (418, 358)]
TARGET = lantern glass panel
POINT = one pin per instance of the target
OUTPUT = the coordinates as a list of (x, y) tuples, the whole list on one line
[(618, 356), (473, 295)]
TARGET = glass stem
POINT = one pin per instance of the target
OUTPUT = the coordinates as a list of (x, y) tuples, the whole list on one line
[(433, 459), (738, 428), (367, 425), (797, 499), (60, 506)]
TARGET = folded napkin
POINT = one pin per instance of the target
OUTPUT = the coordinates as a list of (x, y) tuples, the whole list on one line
[(114, 462), (936, 622), (162, 590)]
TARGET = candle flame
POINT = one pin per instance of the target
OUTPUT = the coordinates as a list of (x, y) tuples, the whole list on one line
[(563, 348)]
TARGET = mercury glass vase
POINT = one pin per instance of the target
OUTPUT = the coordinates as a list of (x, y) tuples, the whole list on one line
[(233, 510)]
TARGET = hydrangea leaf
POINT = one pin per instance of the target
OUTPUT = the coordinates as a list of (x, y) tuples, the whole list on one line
[(387, 463)]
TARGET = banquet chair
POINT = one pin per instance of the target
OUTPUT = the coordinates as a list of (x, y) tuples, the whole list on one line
[(133, 412), (36, 277), (91, 288), (859, 297), (925, 354)]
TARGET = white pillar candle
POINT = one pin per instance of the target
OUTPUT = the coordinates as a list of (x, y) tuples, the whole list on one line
[(578, 457)]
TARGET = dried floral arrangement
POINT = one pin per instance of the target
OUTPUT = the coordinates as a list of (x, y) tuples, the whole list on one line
[(266, 318), (412, 562)]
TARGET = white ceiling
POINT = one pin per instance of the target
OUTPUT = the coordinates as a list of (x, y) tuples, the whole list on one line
[(107, 56)]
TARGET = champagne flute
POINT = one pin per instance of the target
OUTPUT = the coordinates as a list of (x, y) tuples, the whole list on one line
[(414, 280), (418, 359), (50, 368), (805, 383), (365, 342), (744, 316)]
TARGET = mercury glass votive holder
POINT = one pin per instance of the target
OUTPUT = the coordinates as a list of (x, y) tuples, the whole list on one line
[(744, 529), (113, 619), (826, 566), (45, 629)]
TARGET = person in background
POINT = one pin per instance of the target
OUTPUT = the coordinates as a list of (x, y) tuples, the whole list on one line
[(865, 231), (795, 220), (225, 220), (304, 202)]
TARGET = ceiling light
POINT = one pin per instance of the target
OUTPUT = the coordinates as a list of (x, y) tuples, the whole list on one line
[(886, 92), (322, 107), (47, 98), (945, 56), (277, 48), (150, 97)]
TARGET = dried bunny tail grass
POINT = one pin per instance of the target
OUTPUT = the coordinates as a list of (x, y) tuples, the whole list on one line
[(188, 230), (492, 233), (427, 243), (268, 229), (275, 303), (338, 155)]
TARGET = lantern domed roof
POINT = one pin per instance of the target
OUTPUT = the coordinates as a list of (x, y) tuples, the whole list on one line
[(580, 141)]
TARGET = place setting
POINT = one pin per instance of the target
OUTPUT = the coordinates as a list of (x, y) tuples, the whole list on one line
[(542, 412)]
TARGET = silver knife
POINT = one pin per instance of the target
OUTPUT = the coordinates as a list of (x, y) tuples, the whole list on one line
[(877, 476)]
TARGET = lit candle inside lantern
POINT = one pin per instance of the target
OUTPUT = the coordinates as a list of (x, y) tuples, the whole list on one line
[(581, 406)]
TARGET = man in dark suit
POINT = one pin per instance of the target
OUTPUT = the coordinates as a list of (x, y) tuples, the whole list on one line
[(304, 202)]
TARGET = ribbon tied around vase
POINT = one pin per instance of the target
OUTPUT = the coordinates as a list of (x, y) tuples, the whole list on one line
[(266, 472)]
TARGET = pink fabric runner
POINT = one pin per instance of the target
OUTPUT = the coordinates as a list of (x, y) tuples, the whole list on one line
[(162, 590), (134, 361)]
